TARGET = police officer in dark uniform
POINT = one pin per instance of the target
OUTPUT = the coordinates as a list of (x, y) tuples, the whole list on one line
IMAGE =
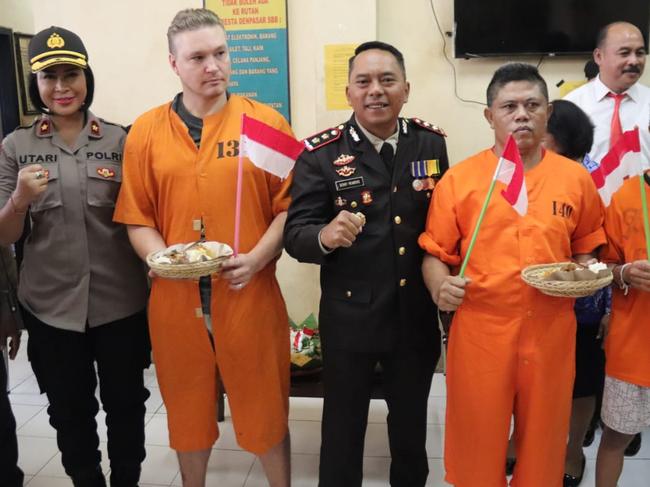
[(82, 287), (360, 195)]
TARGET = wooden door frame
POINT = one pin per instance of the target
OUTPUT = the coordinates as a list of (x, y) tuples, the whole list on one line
[(9, 108)]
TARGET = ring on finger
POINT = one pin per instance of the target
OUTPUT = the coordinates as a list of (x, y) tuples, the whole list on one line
[(39, 174)]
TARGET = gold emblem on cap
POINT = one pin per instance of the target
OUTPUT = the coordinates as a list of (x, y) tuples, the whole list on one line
[(55, 41)]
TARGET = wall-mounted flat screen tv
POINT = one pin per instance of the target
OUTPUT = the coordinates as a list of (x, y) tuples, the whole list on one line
[(553, 27)]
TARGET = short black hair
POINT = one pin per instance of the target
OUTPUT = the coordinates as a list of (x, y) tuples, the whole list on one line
[(571, 128), (382, 46), (514, 72), (602, 34), (36, 100), (591, 69)]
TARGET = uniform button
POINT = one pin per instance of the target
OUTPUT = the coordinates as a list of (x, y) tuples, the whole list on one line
[(397, 219), (402, 282), (401, 251), (394, 189), (525, 361), (428, 194), (354, 204), (529, 314), (348, 294)]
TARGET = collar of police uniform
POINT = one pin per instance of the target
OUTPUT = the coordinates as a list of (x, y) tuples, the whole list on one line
[(44, 127), (93, 127), (377, 142)]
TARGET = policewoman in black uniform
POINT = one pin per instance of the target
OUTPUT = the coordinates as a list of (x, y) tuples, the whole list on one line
[(360, 197), (82, 288)]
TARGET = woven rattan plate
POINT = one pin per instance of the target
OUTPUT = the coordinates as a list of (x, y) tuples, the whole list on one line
[(193, 270), (535, 276)]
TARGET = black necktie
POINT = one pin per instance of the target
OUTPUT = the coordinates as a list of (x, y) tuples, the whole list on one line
[(387, 154)]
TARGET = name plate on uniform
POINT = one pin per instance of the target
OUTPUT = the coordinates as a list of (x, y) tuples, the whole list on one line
[(351, 183)]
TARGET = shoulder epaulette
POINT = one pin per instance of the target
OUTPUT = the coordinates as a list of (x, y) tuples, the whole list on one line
[(428, 126), (24, 127), (105, 122), (323, 138)]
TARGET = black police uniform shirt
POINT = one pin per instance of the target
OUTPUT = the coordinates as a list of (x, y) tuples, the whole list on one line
[(78, 266), (373, 295)]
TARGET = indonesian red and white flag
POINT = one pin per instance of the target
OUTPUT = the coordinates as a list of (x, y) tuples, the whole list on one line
[(268, 148), (621, 162), (510, 171)]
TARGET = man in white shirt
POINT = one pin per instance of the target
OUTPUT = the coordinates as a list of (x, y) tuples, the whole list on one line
[(620, 54)]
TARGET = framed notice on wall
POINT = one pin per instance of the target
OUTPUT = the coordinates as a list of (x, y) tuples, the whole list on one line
[(258, 43), (21, 41)]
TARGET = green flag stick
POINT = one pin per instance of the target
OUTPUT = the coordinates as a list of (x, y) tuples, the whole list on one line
[(646, 225), (480, 220)]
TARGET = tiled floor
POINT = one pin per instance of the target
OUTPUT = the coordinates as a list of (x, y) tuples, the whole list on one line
[(229, 465)]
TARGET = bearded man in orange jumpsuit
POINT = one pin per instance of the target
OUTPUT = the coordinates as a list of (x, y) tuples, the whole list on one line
[(180, 166), (511, 348)]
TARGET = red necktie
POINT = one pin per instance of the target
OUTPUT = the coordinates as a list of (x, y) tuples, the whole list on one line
[(616, 131)]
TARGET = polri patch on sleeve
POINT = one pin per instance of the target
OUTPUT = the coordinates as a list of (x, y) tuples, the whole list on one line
[(351, 183)]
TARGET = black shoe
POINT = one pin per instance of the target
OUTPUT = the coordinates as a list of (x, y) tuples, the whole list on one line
[(634, 446), (510, 465), (570, 480), (589, 437)]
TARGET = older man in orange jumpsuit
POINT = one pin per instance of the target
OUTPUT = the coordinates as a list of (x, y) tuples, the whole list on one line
[(511, 348), (180, 166)]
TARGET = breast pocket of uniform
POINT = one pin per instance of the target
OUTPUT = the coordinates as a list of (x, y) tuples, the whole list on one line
[(104, 181), (51, 197)]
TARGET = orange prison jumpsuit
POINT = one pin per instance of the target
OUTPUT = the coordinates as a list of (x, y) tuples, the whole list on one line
[(511, 348), (169, 185), (628, 341)]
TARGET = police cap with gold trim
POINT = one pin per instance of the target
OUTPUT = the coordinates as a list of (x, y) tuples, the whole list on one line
[(56, 45)]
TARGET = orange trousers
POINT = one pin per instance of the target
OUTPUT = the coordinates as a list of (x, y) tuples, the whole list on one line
[(499, 366), (252, 354)]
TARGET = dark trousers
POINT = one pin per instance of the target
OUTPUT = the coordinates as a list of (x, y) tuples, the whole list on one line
[(10, 474), (64, 364), (590, 362), (347, 384)]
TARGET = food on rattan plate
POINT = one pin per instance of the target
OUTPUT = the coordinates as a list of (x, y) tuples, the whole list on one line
[(188, 261), (567, 279)]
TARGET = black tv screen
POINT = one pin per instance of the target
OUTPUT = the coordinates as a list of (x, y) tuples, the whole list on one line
[(506, 27)]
